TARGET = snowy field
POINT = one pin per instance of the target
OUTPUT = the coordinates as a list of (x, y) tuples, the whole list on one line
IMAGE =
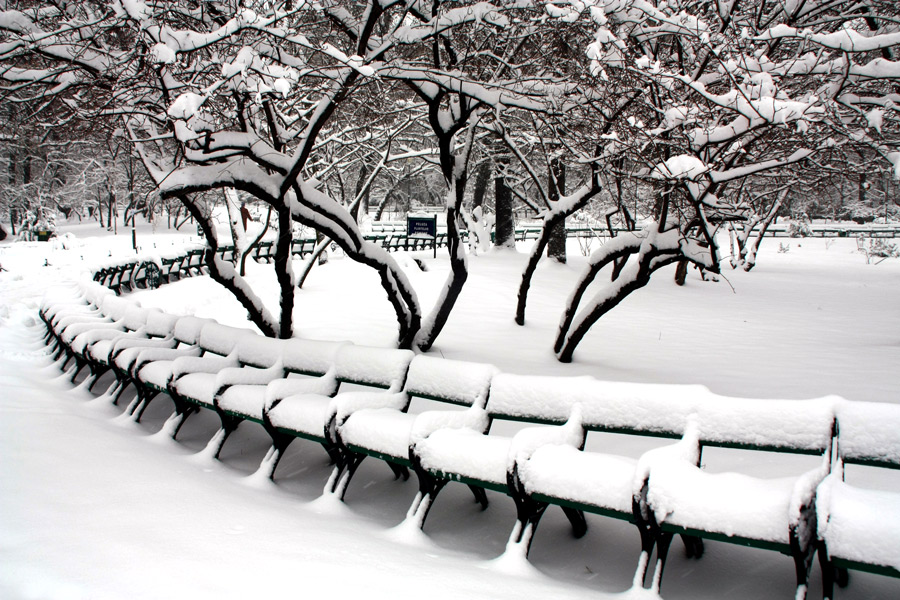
[(93, 505)]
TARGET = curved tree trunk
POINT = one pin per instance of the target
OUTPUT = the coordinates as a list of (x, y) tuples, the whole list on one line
[(459, 273), (647, 264), (551, 218), (347, 235), (252, 304)]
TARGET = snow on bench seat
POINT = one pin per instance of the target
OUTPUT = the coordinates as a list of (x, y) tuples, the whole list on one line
[(383, 430), (733, 505), (868, 433), (264, 361), (466, 455), (776, 514), (563, 473), (858, 529), (297, 412)]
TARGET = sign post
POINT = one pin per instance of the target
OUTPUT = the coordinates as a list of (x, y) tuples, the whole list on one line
[(422, 227)]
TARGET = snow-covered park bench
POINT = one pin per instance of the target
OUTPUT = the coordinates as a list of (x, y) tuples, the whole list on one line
[(546, 465), (769, 513), (303, 248), (859, 528), (235, 386), (381, 425), (664, 492), (366, 376), (435, 416)]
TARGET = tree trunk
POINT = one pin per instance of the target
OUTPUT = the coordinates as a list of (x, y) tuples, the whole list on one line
[(556, 247), (482, 178), (364, 202), (569, 337), (323, 255), (505, 236), (284, 273), (459, 268)]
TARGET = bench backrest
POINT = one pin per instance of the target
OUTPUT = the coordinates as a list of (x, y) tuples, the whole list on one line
[(221, 339), (135, 317), (305, 357), (310, 357), (259, 351), (160, 323), (642, 409), (187, 329), (797, 426), (869, 433), (453, 381), (376, 367)]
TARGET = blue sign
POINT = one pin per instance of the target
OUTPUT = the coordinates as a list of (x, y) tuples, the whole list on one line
[(421, 227)]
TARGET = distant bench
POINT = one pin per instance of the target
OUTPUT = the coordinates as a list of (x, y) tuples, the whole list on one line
[(357, 403), (143, 273)]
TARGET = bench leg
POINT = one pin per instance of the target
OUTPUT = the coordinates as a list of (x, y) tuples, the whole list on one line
[(663, 542), (650, 534), (80, 364), (803, 550), (480, 496), (828, 572), (429, 488), (280, 442), (576, 518), (343, 472), (528, 517), (97, 371), (174, 423), (400, 471), (123, 385), (693, 546), (140, 402), (215, 444), (269, 463)]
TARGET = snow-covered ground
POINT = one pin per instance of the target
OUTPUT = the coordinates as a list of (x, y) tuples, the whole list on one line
[(93, 505)]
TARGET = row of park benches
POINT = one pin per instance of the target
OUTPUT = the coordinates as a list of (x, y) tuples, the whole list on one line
[(142, 272), (433, 416)]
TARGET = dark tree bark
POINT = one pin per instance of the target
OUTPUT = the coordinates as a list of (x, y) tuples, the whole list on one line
[(283, 272), (482, 178), (505, 236), (556, 247)]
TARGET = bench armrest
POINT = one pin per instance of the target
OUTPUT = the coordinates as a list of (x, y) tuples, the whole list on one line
[(279, 389), (133, 341), (344, 405), (244, 375), (687, 449), (528, 440), (202, 364), (474, 418), (804, 500), (152, 354)]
